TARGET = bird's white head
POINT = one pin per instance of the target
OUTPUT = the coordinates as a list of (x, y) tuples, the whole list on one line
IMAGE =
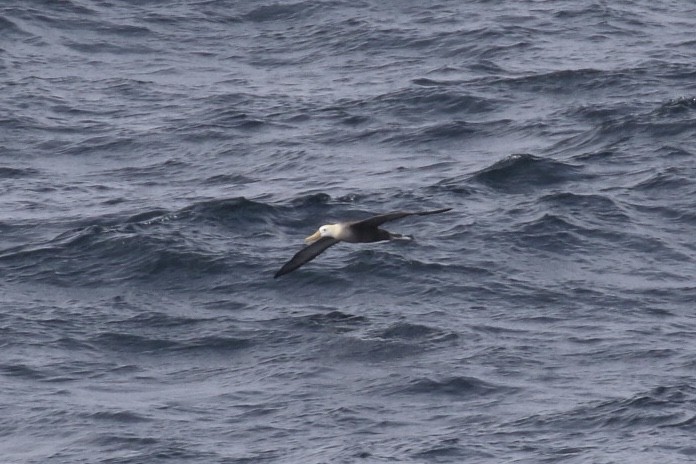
[(327, 230)]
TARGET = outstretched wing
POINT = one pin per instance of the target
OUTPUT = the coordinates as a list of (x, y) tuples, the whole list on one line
[(377, 221), (306, 254)]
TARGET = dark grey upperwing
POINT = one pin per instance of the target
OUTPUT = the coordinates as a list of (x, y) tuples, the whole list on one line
[(377, 221), (306, 254)]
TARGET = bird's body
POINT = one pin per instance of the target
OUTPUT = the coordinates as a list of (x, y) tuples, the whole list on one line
[(365, 231)]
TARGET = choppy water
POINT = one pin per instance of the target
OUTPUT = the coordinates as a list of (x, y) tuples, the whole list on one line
[(159, 161)]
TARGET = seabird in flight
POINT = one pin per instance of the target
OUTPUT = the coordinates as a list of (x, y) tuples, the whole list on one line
[(364, 231)]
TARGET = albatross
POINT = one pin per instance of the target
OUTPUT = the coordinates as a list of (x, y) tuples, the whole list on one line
[(365, 231)]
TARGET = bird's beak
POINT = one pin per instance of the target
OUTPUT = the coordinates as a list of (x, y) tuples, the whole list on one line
[(313, 238)]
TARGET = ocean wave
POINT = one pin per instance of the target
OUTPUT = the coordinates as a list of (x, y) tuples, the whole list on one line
[(433, 98), (551, 233), (664, 406), (232, 210), (595, 208), (677, 106), (126, 342), (362, 349), (524, 172), (118, 416), (444, 132), (456, 387), (331, 320), (667, 181), (7, 172), (625, 131), (12, 29), (283, 12), (96, 254), (566, 80), (21, 370), (420, 332), (685, 214)]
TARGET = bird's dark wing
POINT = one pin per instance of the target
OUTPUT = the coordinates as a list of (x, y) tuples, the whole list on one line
[(306, 254), (377, 221)]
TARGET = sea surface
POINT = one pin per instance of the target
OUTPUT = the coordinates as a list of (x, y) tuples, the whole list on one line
[(160, 160)]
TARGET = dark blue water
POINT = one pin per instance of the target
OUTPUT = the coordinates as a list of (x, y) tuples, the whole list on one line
[(159, 162)]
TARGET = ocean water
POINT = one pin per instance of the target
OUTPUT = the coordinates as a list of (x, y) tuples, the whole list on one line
[(159, 162)]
